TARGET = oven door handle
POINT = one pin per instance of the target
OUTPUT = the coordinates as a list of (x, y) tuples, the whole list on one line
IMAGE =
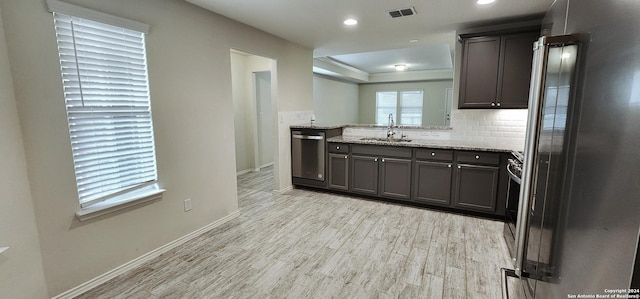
[(505, 287), (513, 176)]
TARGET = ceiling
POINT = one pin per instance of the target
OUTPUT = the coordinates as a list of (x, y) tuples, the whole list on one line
[(318, 24), (429, 57)]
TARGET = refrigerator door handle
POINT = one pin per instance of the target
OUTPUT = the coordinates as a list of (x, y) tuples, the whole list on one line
[(534, 123), (536, 93)]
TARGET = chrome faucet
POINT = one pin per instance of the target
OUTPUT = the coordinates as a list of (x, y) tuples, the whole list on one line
[(390, 131)]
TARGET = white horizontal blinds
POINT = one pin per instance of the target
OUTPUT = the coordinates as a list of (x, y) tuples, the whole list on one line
[(386, 103), (104, 75), (411, 107)]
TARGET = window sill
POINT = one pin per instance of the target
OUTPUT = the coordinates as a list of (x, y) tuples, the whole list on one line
[(111, 206)]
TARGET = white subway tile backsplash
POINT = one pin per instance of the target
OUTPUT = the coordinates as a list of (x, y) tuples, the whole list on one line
[(501, 128), (512, 135)]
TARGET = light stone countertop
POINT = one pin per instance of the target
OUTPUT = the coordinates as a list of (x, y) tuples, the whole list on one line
[(333, 126), (423, 143), (317, 126)]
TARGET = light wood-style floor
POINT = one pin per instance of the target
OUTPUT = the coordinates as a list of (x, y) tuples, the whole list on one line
[(305, 244)]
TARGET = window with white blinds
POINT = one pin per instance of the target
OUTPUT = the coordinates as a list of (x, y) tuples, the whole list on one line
[(104, 74), (405, 103), (411, 107), (386, 103)]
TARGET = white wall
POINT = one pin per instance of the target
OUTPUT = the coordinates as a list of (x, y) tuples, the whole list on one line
[(21, 272), (242, 68), (191, 97), (265, 118), (244, 142), (334, 101)]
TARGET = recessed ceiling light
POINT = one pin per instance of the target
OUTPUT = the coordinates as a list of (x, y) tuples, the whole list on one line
[(401, 67), (483, 2), (350, 22), (413, 41)]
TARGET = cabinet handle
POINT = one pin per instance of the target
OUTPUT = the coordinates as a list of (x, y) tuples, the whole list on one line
[(375, 160), (346, 157), (382, 160), (433, 154), (477, 157), (458, 166), (337, 147), (449, 165), (498, 104), (493, 104)]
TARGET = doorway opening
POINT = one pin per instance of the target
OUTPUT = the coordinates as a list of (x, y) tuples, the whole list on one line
[(255, 115)]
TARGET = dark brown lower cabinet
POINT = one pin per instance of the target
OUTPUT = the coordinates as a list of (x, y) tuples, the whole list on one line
[(395, 178), (379, 176), (476, 187), (432, 182), (339, 171), (463, 180), (364, 176)]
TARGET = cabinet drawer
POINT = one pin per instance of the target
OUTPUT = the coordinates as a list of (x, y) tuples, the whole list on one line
[(434, 154), (338, 148), (479, 158), (381, 151)]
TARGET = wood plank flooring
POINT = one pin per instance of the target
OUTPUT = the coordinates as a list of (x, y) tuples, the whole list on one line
[(305, 244)]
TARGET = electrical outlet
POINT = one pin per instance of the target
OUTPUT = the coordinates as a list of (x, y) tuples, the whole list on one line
[(187, 204)]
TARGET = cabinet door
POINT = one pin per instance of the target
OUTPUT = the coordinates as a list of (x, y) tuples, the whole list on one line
[(476, 187), (516, 51), (395, 178), (432, 182), (480, 65), (364, 175), (339, 171)]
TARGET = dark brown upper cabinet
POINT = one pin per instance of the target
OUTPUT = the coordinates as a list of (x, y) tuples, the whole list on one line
[(496, 70)]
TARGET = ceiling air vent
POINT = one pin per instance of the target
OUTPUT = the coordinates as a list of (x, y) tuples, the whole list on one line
[(396, 13)]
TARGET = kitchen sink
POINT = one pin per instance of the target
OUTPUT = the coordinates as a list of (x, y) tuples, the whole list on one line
[(384, 139)]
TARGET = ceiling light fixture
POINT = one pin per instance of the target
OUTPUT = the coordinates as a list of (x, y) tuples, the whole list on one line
[(401, 67), (483, 2), (350, 22), (413, 41)]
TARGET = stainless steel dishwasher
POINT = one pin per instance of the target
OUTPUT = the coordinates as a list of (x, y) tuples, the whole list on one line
[(307, 155)]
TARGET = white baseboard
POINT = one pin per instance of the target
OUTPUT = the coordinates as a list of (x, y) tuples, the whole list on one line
[(143, 259), (241, 172), (284, 189), (266, 165)]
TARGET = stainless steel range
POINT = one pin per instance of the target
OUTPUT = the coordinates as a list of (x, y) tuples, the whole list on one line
[(514, 169)]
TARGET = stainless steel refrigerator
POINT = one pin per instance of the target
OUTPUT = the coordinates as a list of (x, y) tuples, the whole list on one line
[(578, 222)]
